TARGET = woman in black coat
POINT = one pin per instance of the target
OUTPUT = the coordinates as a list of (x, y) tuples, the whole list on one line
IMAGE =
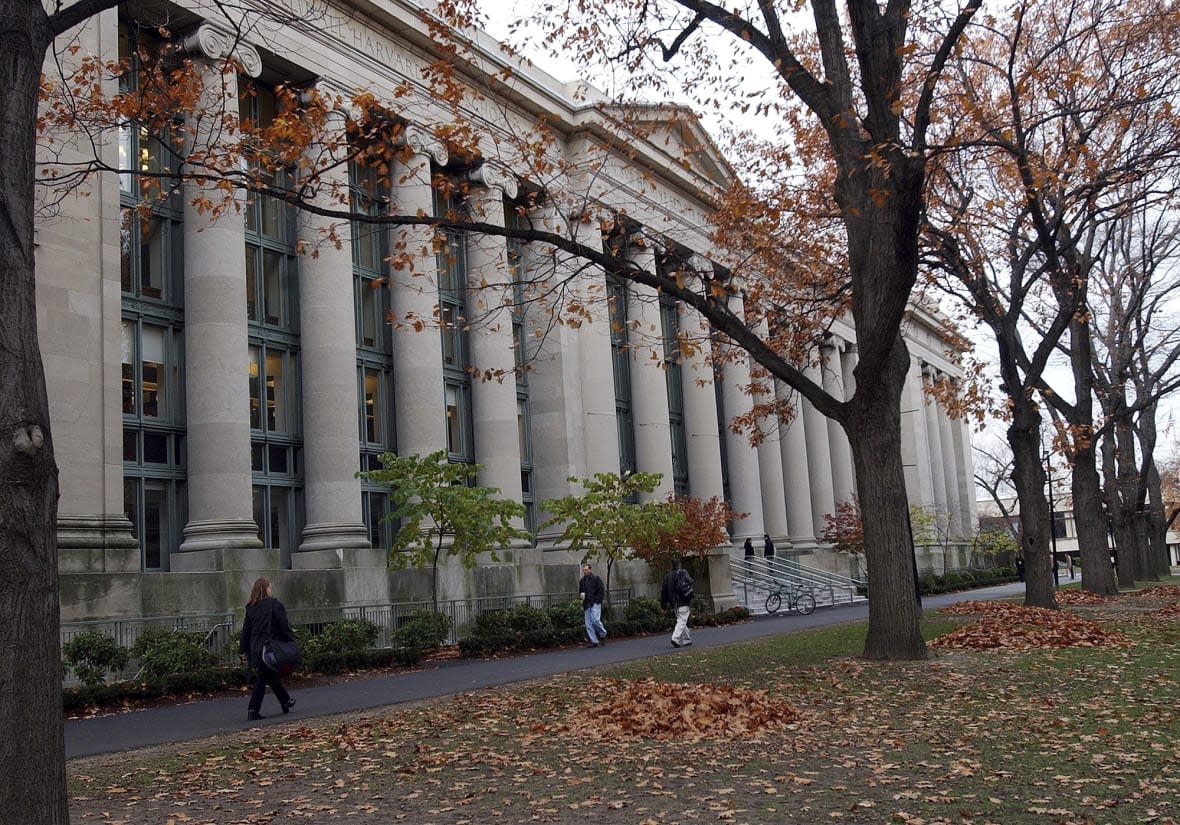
[(266, 619)]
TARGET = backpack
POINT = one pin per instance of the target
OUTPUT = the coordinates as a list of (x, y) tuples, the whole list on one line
[(683, 587)]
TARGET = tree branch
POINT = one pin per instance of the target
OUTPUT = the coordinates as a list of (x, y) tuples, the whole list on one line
[(62, 21)]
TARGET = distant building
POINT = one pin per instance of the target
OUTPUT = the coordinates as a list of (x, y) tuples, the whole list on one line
[(1065, 530)]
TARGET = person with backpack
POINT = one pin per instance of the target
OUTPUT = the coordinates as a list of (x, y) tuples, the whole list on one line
[(592, 593), (677, 593)]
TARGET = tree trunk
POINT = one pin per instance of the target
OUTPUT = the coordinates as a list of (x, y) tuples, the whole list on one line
[(874, 433), (1157, 527), (1157, 520), (32, 748), (1118, 488), (1090, 519), (1028, 477), (1089, 514)]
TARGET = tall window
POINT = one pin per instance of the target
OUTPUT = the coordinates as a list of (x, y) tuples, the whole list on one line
[(153, 330), (276, 447), (374, 345), (674, 380), (452, 311), (616, 290), (512, 219)]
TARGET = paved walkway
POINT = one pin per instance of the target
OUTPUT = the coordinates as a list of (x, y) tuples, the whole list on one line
[(197, 720)]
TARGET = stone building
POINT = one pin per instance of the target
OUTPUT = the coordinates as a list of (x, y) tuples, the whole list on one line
[(214, 391)]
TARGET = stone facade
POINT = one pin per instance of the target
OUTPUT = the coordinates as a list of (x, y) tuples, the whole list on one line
[(211, 408)]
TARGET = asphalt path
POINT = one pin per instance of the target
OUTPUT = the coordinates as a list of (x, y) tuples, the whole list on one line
[(197, 720)]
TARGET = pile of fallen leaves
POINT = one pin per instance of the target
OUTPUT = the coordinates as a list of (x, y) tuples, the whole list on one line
[(1011, 626), (1159, 592), (1073, 597), (977, 607), (666, 711)]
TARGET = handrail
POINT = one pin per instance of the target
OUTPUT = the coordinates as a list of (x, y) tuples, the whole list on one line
[(763, 575)]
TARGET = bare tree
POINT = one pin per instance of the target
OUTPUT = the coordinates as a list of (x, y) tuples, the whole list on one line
[(993, 474), (1137, 343), (1042, 169)]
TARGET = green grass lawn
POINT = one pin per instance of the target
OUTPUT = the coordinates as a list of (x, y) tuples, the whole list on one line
[(1076, 735)]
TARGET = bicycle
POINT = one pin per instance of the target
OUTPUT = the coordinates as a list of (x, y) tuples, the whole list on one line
[(798, 599)]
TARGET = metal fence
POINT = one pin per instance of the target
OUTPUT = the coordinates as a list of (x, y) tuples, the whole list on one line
[(220, 630)]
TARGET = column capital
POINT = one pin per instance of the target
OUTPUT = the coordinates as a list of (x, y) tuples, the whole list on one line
[(496, 176), (215, 43), (422, 142), (834, 342)]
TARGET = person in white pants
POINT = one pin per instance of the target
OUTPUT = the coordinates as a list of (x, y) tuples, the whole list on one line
[(677, 593)]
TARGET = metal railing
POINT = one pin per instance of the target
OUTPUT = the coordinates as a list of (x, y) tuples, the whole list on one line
[(221, 629), (755, 577)]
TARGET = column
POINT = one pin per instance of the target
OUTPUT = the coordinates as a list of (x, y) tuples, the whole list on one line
[(595, 382), (797, 479), (568, 440), (217, 386), (950, 470), (969, 517), (497, 442), (770, 472), (327, 325), (79, 309), (649, 386), (915, 450), (819, 458), (744, 479), (417, 350), (832, 370), (700, 408), (934, 442)]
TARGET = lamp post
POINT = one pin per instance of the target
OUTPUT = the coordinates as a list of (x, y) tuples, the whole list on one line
[(1052, 517)]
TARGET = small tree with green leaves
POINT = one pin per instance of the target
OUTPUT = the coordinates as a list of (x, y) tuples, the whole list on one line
[(992, 542), (608, 521), (431, 499)]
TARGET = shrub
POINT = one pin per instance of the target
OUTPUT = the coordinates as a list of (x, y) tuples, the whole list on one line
[(347, 636), (423, 631), (513, 620), (478, 644), (700, 606), (512, 628), (331, 662), (92, 655), (642, 608), (162, 653), (524, 619), (566, 615)]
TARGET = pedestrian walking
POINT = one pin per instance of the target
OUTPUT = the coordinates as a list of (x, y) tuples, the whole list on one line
[(266, 621), (677, 593), (748, 549), (592, 593), (767, 546)]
